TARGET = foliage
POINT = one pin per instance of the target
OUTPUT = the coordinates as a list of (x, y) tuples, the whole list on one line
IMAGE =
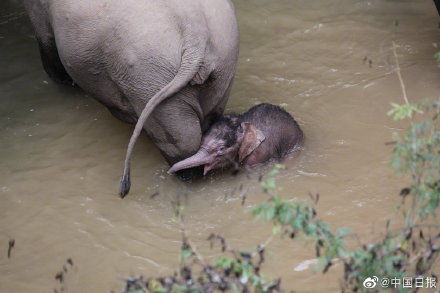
[(238, 272), (233, 271), (418, 154), (299, 217), (385, 258), (398, 253), (269, 183), (404, 111)]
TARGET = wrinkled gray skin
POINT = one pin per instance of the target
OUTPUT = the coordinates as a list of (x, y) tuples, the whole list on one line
[(179, 56), (264, 132)]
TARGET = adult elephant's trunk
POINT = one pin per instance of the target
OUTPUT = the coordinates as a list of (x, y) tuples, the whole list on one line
[(200, 158)]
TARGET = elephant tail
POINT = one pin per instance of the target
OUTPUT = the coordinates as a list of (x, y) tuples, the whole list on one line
[(188, 72)]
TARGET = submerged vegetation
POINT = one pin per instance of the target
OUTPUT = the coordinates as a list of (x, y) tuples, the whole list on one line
[(405, 252)]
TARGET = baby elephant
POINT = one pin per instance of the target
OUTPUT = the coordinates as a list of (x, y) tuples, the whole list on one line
[(262, 133)]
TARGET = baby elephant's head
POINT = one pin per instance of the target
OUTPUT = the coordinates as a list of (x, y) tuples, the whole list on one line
[(227, 141)]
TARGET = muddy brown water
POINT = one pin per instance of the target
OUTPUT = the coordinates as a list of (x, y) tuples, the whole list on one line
[(329, 63)]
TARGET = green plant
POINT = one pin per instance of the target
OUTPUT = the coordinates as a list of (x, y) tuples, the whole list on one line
[(294, 218), (418, 154), (235, 270)]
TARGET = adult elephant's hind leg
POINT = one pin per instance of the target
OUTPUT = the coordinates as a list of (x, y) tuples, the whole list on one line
[(174, 127), (52, 63)]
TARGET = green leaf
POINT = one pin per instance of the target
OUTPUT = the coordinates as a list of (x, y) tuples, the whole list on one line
[(224, 262), (400, 112), (186, 254), (343, 232)]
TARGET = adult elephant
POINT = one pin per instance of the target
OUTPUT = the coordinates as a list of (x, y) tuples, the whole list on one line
[(167, 64)]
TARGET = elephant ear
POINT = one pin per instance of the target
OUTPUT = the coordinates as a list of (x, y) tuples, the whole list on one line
[(252, 138)]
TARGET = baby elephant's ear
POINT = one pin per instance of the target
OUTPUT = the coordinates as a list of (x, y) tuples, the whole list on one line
[(252, 137)]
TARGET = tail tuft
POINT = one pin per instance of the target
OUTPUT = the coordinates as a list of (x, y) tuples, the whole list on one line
[(125, 185)]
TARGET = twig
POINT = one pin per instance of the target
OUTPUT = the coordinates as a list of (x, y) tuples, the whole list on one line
[(11, 245), (264, 245), (185, 238), (402, 84), (192, 246)]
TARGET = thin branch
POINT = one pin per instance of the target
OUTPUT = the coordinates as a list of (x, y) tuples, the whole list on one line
[(186, 239), (180, 220), (402, 84), (264, 245)]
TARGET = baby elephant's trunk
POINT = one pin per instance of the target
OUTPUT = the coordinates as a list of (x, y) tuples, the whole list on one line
[(200, 158)]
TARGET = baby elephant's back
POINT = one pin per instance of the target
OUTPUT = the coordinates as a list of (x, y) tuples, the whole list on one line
[(281, 131)]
